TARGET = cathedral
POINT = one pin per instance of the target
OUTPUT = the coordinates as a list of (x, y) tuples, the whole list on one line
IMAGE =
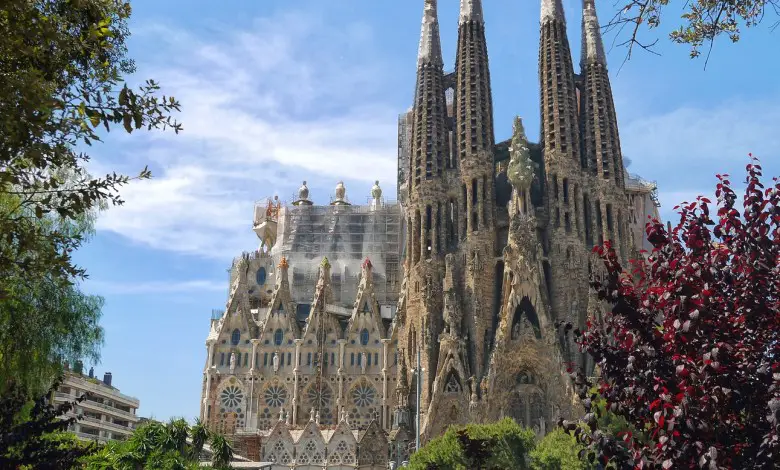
[(356, 328)]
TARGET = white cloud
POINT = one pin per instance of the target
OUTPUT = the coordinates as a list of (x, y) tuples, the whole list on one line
[(153, 287), (261, 109)]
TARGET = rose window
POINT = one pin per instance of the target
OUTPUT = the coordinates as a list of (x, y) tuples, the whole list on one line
[(231, 397), (363, 395), (275, 396), (319, 396)]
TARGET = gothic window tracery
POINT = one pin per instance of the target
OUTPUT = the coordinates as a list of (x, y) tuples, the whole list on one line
[(320, 397), (279, 453), (342, 454), (364, 405), (231, 410)]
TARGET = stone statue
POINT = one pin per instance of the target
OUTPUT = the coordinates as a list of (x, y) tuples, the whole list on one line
[(311, 415), (317, 418), (363, 363), (281, 414), (275, 361), (287, 418), (232, 362), (451, 317)]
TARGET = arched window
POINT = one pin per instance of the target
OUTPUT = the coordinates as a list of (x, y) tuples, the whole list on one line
[(278, 337), (364, 337), (260, 276), (366, 309), (236, 337)]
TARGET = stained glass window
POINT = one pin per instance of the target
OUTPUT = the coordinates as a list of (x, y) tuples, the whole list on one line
[(236, 337), (364, 337), (231, 397), (278, 337), (275, 396), (261, 275)]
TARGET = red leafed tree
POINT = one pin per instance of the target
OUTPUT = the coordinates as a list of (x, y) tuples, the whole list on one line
[(690, 353)]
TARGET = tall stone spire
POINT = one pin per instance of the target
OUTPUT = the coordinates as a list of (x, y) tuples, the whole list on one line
[(474, 141), (427, 200), (600, 131), (471, 10), (429, 123), (592, 45), (560, 129), (430, 42), (552, 10)]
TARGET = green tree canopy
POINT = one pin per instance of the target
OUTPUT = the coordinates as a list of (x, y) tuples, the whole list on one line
[(500, 445)]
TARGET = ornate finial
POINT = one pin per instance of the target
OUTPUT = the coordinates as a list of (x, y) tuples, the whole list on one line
[(471, 10), (430, 43), (521, 169), (367, 263), (283, 263), (325, 263), (592, 44), (552, 10)]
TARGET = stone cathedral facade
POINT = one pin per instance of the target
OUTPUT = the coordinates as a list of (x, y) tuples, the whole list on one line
[(311, 363)]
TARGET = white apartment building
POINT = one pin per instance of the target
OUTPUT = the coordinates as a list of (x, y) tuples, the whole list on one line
[(106, 414)]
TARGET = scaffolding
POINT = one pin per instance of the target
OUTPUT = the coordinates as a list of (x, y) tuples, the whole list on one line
[(638, 184), (346, 235)]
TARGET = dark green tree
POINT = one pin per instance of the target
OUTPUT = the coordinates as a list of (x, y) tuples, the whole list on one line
[(494, 446), (32, 435)]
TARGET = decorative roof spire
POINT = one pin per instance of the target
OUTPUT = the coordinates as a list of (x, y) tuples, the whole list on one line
[(430, 43), (592, 44), (283, 263), (471, 10), (552, 10)]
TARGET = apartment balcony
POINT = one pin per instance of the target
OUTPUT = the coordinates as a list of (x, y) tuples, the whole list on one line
[(113, 427), (109, 410), (99, 389)]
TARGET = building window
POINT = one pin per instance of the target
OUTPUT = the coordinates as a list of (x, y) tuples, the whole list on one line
[(360, 359), (261, 275), (376, 358), (289, 358), (246, 359), (221, 359), (308, 359), (364, 337), (352, 359), (265, 359), (236, 337), (368, 361), (278, 337), (238, 360), (333, 358), (281, 360)]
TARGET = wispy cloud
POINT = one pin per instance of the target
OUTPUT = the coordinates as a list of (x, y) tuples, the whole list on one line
[(261, 109), (684, 149), (153, 287)]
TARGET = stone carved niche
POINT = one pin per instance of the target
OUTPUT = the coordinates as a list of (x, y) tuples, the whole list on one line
[(525, 322)]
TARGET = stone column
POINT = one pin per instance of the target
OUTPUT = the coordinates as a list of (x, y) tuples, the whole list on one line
[(254, 354), (210, 349), (296, 372), (340, 379), (385, 346)]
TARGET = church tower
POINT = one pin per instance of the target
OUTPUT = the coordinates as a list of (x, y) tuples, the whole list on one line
[(565, 270), (601, 143), (474, 142), (426, 204)]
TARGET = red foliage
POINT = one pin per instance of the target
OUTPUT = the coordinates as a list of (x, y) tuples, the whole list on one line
[(690, 352)]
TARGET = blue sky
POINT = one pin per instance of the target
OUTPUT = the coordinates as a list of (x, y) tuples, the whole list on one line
[(274, 92)]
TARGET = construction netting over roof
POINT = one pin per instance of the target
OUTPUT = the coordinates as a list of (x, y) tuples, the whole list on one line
[(346, 235)]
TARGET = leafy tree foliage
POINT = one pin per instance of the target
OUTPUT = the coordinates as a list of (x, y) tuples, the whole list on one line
[(32, 435), (558, 450), (44, 322), (62, 63), (689, 353), (500, 445), (172, 446), (703, 20)]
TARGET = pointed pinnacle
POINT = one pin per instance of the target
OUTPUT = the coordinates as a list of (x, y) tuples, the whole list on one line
[(471, 10), (430, 43), (592, 44), (552, 10)]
